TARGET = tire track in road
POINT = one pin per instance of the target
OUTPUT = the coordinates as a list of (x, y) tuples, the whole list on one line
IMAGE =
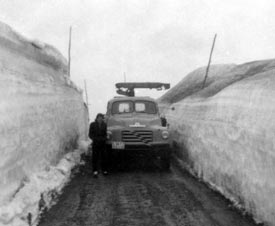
[(179, 205), (135, 205)]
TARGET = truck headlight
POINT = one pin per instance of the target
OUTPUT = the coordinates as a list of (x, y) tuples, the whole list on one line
[(109, 135), (165, 134)]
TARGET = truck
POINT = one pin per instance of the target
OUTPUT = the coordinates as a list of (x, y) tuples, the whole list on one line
[(134, 123)]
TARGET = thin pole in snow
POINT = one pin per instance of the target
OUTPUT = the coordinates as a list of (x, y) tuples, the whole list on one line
[(209, 62), (69, 52), (124, 77), (86, 94)]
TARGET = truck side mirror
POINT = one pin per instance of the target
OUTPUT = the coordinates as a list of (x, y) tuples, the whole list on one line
[(163, 121)]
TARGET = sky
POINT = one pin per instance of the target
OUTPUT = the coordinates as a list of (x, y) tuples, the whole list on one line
[(148, 40)]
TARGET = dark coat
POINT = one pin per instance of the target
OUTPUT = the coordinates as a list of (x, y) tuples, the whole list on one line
[(98, 133)]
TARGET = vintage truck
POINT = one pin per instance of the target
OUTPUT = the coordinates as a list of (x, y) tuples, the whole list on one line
[(134, 123)]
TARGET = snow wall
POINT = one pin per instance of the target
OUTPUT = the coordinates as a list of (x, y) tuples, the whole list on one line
[(224, 133), (42, 114)]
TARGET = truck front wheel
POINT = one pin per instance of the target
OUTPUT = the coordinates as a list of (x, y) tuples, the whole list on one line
[(165, 164), (165, 160)]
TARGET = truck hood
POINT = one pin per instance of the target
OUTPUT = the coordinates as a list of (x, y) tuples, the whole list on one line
[(134, 121)]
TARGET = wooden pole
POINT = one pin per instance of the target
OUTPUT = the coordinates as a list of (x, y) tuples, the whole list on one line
[(209, 62), (69, 52), (87, 101)]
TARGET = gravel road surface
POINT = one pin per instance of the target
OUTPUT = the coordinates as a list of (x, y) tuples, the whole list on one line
[(141, 197)]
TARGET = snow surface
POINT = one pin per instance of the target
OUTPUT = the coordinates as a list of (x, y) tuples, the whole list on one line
[(225, 132), (39, 192), (42, 119)]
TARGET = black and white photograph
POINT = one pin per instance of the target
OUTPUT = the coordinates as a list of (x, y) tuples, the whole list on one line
[(137, 113)]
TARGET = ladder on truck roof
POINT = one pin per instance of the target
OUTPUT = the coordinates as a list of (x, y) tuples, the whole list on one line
[(128, 88)]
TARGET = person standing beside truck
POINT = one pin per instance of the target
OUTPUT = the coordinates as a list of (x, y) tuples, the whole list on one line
[(98, 134)]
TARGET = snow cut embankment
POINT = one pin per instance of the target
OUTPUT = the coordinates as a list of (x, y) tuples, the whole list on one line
[(225, 132), (42, 119)]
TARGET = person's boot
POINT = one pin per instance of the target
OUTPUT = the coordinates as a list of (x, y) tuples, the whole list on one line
[(105, 173), (95, 174)]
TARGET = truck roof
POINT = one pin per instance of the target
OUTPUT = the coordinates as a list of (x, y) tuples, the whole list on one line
[(144, 85), (131, 98)]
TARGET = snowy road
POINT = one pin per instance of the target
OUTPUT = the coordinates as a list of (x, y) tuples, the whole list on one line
[(147, 197)]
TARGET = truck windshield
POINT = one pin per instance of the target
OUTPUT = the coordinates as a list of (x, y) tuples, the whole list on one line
[(120, 107), (145, 107)]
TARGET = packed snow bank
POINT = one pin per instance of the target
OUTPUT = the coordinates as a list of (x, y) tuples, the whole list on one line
[(225, 132), (42, 114), (39, 192)]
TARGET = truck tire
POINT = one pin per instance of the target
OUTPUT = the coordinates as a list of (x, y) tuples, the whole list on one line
[(165, 163)]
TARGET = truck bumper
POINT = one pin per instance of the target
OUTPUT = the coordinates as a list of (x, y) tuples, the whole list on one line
[(137, 146), (161, 150)]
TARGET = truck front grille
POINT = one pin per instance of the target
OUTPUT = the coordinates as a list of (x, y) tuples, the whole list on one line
[(140, 136)]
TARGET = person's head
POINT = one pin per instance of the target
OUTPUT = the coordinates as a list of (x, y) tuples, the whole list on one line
[(99, 118)]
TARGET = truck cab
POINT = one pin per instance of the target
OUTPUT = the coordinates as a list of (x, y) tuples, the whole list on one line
[(134, 123)]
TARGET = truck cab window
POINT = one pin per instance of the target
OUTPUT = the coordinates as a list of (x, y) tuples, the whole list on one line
[(122, 107)]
